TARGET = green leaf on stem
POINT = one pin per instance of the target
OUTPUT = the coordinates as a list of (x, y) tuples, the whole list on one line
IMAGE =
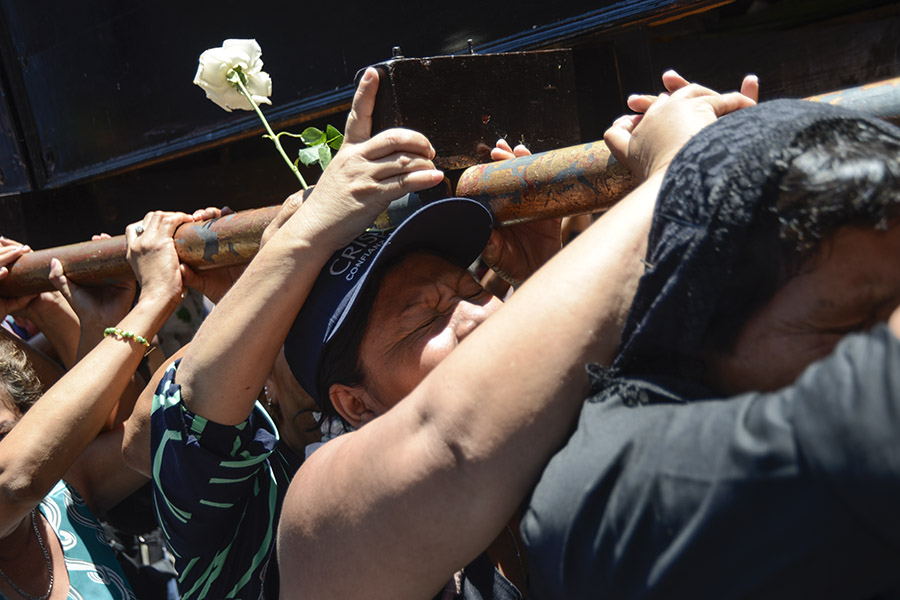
[(324, 155), (334, 137), (309, 156), (312, 136)]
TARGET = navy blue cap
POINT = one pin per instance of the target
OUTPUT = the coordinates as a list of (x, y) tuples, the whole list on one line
[(456, 229)]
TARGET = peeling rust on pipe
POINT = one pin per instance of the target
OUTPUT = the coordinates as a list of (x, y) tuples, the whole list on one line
[(564, 182), (223, 242), (568, 181), (229, 240)]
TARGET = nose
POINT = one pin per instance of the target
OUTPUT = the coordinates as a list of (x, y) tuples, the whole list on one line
[(469, 315)]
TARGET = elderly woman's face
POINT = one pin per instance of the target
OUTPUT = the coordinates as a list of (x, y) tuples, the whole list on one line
[(424, 308), (852, 284)]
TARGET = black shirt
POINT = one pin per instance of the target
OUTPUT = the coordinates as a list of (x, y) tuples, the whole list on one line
[(793, 494)]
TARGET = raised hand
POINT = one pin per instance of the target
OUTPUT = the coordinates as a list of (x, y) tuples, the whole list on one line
[(97, 306), (516, 252), (151, 254), (367, 173), (10, 251), (502, 151), (647, 142), (212, 283)]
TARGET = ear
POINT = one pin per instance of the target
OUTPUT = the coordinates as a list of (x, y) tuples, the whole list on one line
[(354, 404), (269, 400)]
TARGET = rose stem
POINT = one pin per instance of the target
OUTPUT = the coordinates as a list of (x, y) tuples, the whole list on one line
[(246, 93)]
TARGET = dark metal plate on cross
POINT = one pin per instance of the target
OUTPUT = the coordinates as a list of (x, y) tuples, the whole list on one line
[(464, 103)]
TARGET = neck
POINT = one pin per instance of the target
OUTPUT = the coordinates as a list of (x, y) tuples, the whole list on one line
[(28, 573), (17, 541)]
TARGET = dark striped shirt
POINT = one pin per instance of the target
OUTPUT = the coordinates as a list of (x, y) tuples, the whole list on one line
[(217, 492)]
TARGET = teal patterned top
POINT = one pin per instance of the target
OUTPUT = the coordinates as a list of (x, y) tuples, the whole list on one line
[(94, 573)]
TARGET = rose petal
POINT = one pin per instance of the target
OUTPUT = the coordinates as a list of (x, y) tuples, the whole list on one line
[(213, 68)]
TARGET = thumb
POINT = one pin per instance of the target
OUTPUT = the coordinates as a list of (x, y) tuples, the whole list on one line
[(59, 280), (617, 140), (359, 121), (190, 279)]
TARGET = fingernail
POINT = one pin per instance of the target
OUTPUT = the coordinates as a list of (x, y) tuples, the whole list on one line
[(24, 248), (3, 270), (369, 74), (226, 207)]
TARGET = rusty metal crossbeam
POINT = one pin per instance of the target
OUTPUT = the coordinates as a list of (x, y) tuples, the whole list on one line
[(568, 181)]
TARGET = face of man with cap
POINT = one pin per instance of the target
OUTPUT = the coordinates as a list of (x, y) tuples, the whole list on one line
[(425, 306)]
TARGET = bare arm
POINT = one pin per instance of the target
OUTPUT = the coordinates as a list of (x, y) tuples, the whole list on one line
[(45, 443), (135, 446), (465, 465), (426, 487), (47, 311), (101, 475), (217, 380)]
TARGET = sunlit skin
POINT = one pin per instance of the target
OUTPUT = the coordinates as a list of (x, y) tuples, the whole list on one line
[(26, 563), (424, 308), (292, 408), (851, 284), (9, 413)]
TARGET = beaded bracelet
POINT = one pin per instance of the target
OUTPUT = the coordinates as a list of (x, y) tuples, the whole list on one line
[(129, 335)]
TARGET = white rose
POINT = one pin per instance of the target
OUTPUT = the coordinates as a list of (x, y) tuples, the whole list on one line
[(215, 64)]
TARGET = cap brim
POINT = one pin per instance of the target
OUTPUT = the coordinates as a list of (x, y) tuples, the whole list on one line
[(456, 229)]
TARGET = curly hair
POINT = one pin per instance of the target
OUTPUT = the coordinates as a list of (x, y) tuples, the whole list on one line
[(18, 376)]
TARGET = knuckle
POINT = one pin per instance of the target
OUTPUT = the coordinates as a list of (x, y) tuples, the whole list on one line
[(392, 137)]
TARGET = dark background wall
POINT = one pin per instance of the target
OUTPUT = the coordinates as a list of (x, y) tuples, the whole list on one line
[(99, 120)]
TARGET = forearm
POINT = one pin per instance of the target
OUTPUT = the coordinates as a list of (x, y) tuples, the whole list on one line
[(62, 330), (481, 425), (57, 429), (234, 350), (91, 336), (525, 373), (136, 441), (101, 475)]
